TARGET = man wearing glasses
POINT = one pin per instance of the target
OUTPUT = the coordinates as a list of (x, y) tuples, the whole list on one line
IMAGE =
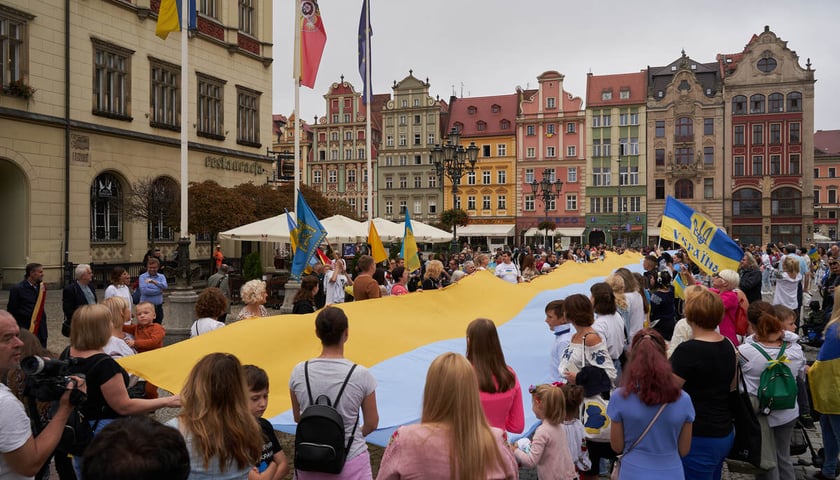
[(827, 288)]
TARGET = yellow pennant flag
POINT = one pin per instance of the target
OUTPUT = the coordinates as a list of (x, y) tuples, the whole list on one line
[(377, 250), (409, 251)]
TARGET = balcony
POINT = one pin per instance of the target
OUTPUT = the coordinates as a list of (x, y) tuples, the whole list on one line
[(683, 138), (684, 170)]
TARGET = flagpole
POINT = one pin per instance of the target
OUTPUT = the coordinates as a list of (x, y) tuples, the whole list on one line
[(368, 95), (185, 16), (296, 112)]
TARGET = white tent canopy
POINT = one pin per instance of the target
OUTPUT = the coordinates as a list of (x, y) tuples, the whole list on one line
[(427, 233), (560, 232), (274, 229), (388, 231), (341, 229), (819, 237), (490, 230)]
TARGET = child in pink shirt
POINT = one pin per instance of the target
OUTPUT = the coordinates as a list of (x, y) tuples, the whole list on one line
[(548, 452)]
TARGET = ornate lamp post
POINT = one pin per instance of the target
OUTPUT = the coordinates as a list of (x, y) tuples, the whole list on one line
[(453, 161), (548, 191)]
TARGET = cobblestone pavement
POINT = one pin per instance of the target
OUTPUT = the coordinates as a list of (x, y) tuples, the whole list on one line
[(57, 343)]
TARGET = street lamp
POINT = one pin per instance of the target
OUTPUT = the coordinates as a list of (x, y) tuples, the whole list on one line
[(548, 190), (453, 161)]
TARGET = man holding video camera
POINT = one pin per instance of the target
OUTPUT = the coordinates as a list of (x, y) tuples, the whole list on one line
[(21, 454)]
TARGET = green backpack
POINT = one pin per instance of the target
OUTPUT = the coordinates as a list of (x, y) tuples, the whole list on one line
[(777, 385)]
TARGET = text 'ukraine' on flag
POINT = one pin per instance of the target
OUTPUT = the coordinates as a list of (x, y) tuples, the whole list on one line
[(309, 233), (365, 32), (708, 246), (310, 39), (377, 250), (169, 17), (409, 251)]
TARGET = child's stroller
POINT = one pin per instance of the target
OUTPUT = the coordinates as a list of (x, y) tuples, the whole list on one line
[(800, 443), (813, 325)]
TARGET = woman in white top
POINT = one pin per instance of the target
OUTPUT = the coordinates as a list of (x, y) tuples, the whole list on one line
[(608, 323), (120, 344), (119, 285), (769, 337), (587, 347), (335, 280), (787, 284), (211, 305), (635, 315)]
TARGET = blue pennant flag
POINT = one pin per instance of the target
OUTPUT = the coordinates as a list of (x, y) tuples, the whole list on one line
[(308, 234)]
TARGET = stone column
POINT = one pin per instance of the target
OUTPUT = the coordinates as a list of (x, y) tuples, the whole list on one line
[(292, 287), (181, 301)]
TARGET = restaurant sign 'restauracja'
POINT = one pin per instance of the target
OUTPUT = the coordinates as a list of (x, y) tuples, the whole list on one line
[(224, 163)]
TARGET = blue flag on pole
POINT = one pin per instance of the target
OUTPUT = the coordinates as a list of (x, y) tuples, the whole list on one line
[(365, 32), (309, 233), (409, 251)]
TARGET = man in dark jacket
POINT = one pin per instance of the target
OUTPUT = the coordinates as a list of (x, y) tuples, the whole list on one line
[(750, 282), (26, 302), (81, 292), (828, 286)]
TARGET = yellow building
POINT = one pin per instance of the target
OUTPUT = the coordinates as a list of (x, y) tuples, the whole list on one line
[(90, 105)]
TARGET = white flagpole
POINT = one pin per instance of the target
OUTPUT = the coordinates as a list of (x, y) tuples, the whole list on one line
[(368, 95), (296, 111), (185, 22)]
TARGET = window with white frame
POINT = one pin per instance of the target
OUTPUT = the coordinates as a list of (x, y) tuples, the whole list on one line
[(361, 154), (348, 135), (470, 202), (470, 178), (364, 175), (106, 209), (247, 116), (596, 148), (165, 95), (634, 146), (389, 141), (528, 205), (348, 154), (501, 150), (601, 177), (550, 102), (571, 151), (634, 118), (403, 160), (389, 160), (485, 202), (210, 8), (352, 202), (316, 176), (430, 140), (549, 128), (529, 175), (530, 152), (571, 175), (570, 127), (210, 109), (389, 182), (246, 16), (596, 120), (13, 45), (432, 206), (624, 94), (333, 154), (403, 120), (628, 175), (622, 119), (458, 202), (501, 202), (550, 174), (418, 181), (111, 79), (418, 207), (332, 176), (571, 201), (485, 177), (530, 130), (403, 182), (403, 205), (501, 177), (403, 140), (351, 175), (552, 203), (418, 160), (550, 152), (416, 139), (606, 120), (433, 181)]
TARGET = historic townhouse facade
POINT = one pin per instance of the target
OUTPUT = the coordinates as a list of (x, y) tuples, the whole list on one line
[(769, 100), (550, 143), (686, 134), (826, 184), (412, 127), (488, 194), (339, 153), (616, 165), (87, 113), (283, 150)]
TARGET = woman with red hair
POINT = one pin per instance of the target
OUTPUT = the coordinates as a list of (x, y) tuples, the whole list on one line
[(650, 401)]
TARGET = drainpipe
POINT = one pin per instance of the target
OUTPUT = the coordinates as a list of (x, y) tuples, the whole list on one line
[(67, 273)]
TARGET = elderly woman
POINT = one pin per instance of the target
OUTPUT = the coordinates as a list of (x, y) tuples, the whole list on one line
[(433, 280), (209, 307), (253, 294), (724, 284)]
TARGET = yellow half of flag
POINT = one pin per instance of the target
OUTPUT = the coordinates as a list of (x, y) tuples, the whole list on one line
[(168, 19), (377, 250)]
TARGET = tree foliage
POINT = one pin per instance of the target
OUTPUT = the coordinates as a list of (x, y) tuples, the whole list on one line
[(155, 201), (452, 217), (214, 208), (546, 225)]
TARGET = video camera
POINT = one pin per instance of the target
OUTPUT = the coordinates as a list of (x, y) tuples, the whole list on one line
[(47, 379)]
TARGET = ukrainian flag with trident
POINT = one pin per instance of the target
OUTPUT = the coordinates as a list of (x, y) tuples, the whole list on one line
[(307, 235), (707, 245)]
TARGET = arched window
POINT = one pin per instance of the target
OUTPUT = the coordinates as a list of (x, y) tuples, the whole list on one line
[(757, 103), (684, 189), (739, 105), (794, 102), (685, 129), (106, 209), (775, 103), (786, 201), (746, 202)]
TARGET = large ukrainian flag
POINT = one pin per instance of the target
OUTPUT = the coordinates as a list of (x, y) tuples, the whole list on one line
[(707, 245)]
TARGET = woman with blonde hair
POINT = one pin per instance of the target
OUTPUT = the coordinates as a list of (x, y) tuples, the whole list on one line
[(254, 295), (120, 344), (637, 306), (453, 439), (787, 283), (432, 278), (500, 393), (223, 437)]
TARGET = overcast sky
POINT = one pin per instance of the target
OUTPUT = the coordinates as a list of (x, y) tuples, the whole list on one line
[(492, 46)]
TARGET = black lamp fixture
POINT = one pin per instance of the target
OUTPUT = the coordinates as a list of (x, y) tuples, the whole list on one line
[(548, 190), (284, 168), (453, 161)]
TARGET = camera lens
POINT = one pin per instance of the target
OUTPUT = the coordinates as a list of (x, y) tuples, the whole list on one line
[(32, 365)]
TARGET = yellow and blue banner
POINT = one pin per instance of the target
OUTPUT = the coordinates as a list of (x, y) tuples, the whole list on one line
[(308, 234), (707, 245), (169, 17), (409, 251)]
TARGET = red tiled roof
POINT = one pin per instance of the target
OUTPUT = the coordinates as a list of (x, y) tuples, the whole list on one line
[(460, 112), (596, 85), (827, 142), (728, 62)]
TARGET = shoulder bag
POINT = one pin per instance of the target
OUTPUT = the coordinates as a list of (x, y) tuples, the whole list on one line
[(616, 471)]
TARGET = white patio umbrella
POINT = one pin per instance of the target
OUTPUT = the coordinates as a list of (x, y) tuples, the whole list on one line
[(426, 233), (341, 229), (273, 229), (388, 231)]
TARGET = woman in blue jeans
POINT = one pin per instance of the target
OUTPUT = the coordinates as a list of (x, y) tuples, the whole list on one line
[(705, 367), (824, 378)]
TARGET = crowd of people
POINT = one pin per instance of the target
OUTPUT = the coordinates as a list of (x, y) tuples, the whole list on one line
[(645, 369)]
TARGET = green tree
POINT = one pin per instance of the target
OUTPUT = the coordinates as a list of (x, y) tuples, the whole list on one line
[(156, 201), (214, 209)]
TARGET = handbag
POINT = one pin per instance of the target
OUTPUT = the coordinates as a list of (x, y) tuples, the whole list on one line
[(617, 463), (754, 448)]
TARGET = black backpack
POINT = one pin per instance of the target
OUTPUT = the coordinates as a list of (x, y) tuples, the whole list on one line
[(319, 437)]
